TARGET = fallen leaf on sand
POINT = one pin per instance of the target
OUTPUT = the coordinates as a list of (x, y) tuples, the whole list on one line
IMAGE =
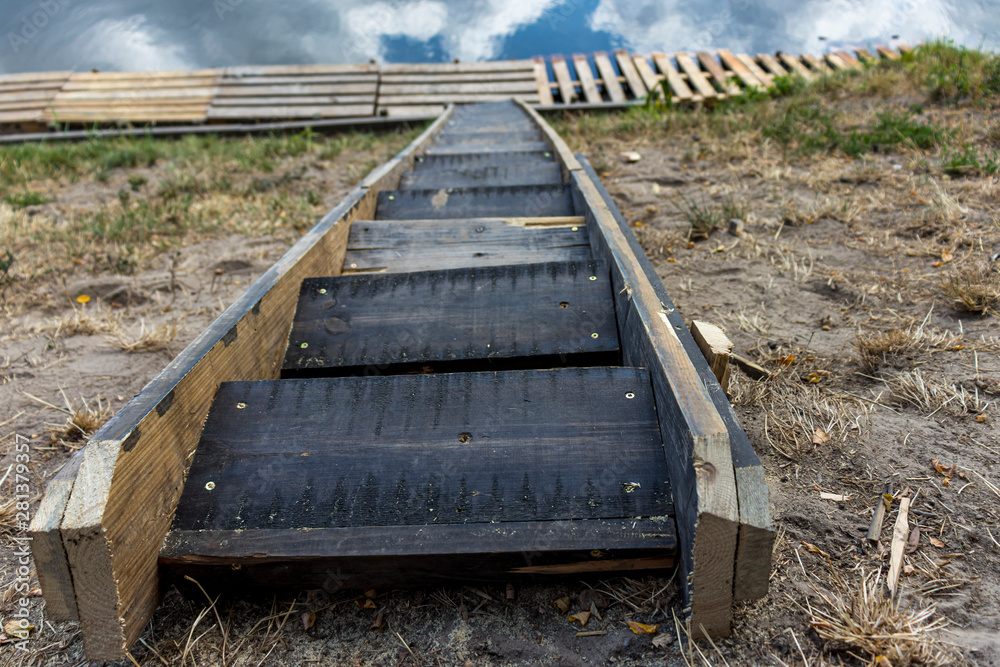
[(947, 471), (820, 436), (946, 256), (663, 640), (813, 549), (909, 569), (935, 542), (13, 628), (642, 628), (562, 604), (582, 617), (308, 620), (378, 622), (914, 540)]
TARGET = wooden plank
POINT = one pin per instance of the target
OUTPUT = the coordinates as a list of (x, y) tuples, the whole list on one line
[(469, 88), (474, 160), (695, 77), (304, 100), (586, 78), (297, 70), (756, 69), (414, 450), (145, 75), (522, 147), (609, 77), (695, 437), (567, 92), (54, 576), (23, 116), (865, 57), (488, 176), (742, 72), (649, 77), (519, 201), (28, 96), (421, 245), (52, 86), (78, 115), (366, 89), (166, 95), (132, 470), (815, 64), (423, 111), (140, 84), (679, 87), (527, 66), (627, 68), (559, 146), (448, 98), (456, 320), (771, 64), (904, 48), (887, 53), (836, 63), (487, 138), (714, 69), (457, 77), (290, 111), (282, 560), (299, 80), (795, 66), (35, 77), (849, 60), (716, 347), (542, 82), (756, 529)]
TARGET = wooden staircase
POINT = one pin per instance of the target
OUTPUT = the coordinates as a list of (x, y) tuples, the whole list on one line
[(468, 371)]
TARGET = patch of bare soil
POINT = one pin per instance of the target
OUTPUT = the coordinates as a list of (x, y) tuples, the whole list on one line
[(847, 284)]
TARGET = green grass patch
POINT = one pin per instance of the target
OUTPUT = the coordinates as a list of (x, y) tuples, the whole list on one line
[(967, 160), (23, 199)]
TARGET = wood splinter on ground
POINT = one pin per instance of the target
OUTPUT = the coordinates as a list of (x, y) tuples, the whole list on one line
[(900, 534), (716, 346)]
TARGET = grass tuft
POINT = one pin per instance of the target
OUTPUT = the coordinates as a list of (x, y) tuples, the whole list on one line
[(975, 289)]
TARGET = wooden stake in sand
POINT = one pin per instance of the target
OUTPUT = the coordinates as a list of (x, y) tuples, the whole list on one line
[(900, 533)]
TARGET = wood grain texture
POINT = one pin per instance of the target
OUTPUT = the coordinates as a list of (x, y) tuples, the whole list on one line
[(815, 64), (766, 79), (567, 91), (715, 346), (421, 245), (771, 64), (47, 549), (609, 77), (418, 450), (649, 78), (454, 320), (586, 78), (678, 85), (488, 176), (557, 143), (795, 66), (477, 160), (131, 471), (714, 69), (518, 147), (836, 62), (738, 68), (849, 60), (487, 138), (517, 201), (696, 77), (542, 82), (628, 70)]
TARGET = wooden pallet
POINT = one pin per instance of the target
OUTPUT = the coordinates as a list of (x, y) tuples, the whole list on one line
[(29, 102), (432, 385)]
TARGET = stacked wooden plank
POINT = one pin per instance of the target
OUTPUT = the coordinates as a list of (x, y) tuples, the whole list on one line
[(24, 98), (304, 92), (295, 92), (425, 89), (134, 97)]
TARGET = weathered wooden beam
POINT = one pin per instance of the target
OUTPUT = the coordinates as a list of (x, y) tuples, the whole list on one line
[(716, 346)]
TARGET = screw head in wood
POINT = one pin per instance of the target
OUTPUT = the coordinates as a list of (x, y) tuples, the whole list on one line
[(629, 395), (210, 485), (304, 345), (480, 229), (391, 197), (575, 229), (240, 406), (593, 335), (593, 277), (322, 291)]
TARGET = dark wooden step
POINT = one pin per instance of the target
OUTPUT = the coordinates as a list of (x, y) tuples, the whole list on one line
[(520, 316), (487, 138), (522, 201), (422, 245), (489, 176), (503, 147), (451, 476), (466, 160)]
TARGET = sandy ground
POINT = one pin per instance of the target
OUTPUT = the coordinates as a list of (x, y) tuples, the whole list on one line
[(832, 249)]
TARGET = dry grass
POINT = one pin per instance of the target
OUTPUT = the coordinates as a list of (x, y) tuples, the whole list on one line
[(859, 618), (930, 395), (974, 289), (876, 348), (81, 422), (152, 338)]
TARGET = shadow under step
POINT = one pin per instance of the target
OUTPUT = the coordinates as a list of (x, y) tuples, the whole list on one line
[(522, 201), (468, 319), (483, 176)]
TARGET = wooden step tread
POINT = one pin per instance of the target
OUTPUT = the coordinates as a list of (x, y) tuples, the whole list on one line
[(522, 315), (515, 201), (483, 176), (487, 138), (482, 160), (502, 147), (414, 450), (422, 245)]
